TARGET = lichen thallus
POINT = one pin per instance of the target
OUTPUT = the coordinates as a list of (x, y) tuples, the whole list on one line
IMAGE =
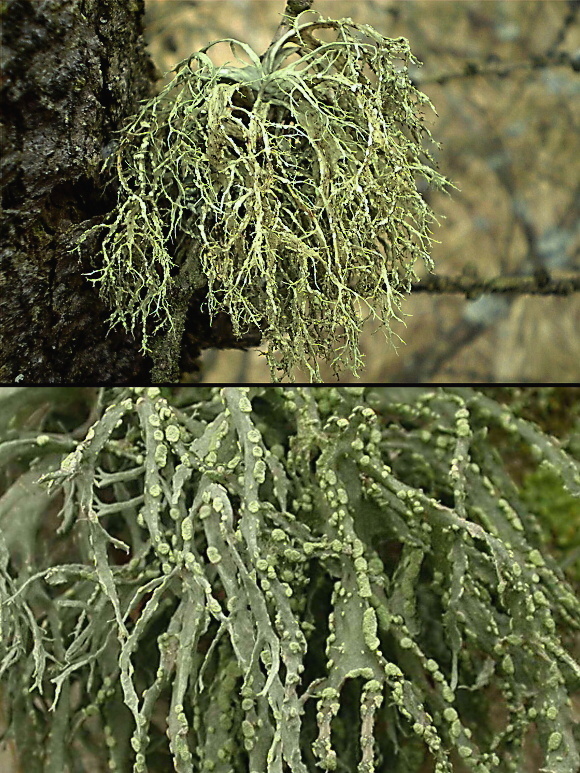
[(286, 189)]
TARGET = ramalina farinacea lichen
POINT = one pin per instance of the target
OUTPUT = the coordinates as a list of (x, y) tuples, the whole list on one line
[(251, 580), (287, 186)]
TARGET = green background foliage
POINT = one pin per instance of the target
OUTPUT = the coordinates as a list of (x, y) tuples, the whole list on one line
[(268, 579)]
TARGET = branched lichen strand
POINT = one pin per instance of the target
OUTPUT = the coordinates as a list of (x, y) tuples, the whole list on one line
[(381, 547)]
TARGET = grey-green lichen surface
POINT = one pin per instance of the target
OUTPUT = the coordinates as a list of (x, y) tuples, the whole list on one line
[(288, 188), (268, 580)]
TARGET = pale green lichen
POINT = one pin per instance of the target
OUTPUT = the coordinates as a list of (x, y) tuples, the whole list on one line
[(172, 433), (508, 664), (244, 405), (286, 188), (536, 558), (186, 530), (370, 624), (161, 455), (554, 741), (214, 555), (223, 614), (455, 729)]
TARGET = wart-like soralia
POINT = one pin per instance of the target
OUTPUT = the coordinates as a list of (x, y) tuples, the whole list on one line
[(376, 597)]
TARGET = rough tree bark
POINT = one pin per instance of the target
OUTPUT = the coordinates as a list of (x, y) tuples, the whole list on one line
[(73, 70)]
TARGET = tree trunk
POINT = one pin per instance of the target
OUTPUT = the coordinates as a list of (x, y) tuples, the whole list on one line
[(73, 71)]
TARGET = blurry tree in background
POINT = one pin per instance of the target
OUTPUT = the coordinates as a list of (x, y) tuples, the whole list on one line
[(503, 77)]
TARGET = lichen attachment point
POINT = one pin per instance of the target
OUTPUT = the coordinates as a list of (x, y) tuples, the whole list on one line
[(288, 186)]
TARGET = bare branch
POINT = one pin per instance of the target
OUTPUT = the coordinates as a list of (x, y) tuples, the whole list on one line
[(501, 69), (541, 283), (295, 7)]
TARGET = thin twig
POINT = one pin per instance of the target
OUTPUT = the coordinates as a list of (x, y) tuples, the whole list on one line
[(501, 69), (541, 283), (567, 22)]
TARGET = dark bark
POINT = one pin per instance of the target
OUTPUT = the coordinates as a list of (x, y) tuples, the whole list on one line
[(73, 71)]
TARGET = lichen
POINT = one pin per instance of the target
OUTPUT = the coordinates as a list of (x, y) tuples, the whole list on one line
[(370, 629), (287, 188), (204, 619)]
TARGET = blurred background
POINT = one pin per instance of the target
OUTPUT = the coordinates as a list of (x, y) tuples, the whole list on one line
[(510, 143)]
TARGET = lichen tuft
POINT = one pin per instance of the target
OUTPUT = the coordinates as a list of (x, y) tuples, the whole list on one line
[(287, 188)]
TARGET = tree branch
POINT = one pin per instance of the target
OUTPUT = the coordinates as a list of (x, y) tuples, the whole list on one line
[(501, 69), (541, 283), (296, 7)]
